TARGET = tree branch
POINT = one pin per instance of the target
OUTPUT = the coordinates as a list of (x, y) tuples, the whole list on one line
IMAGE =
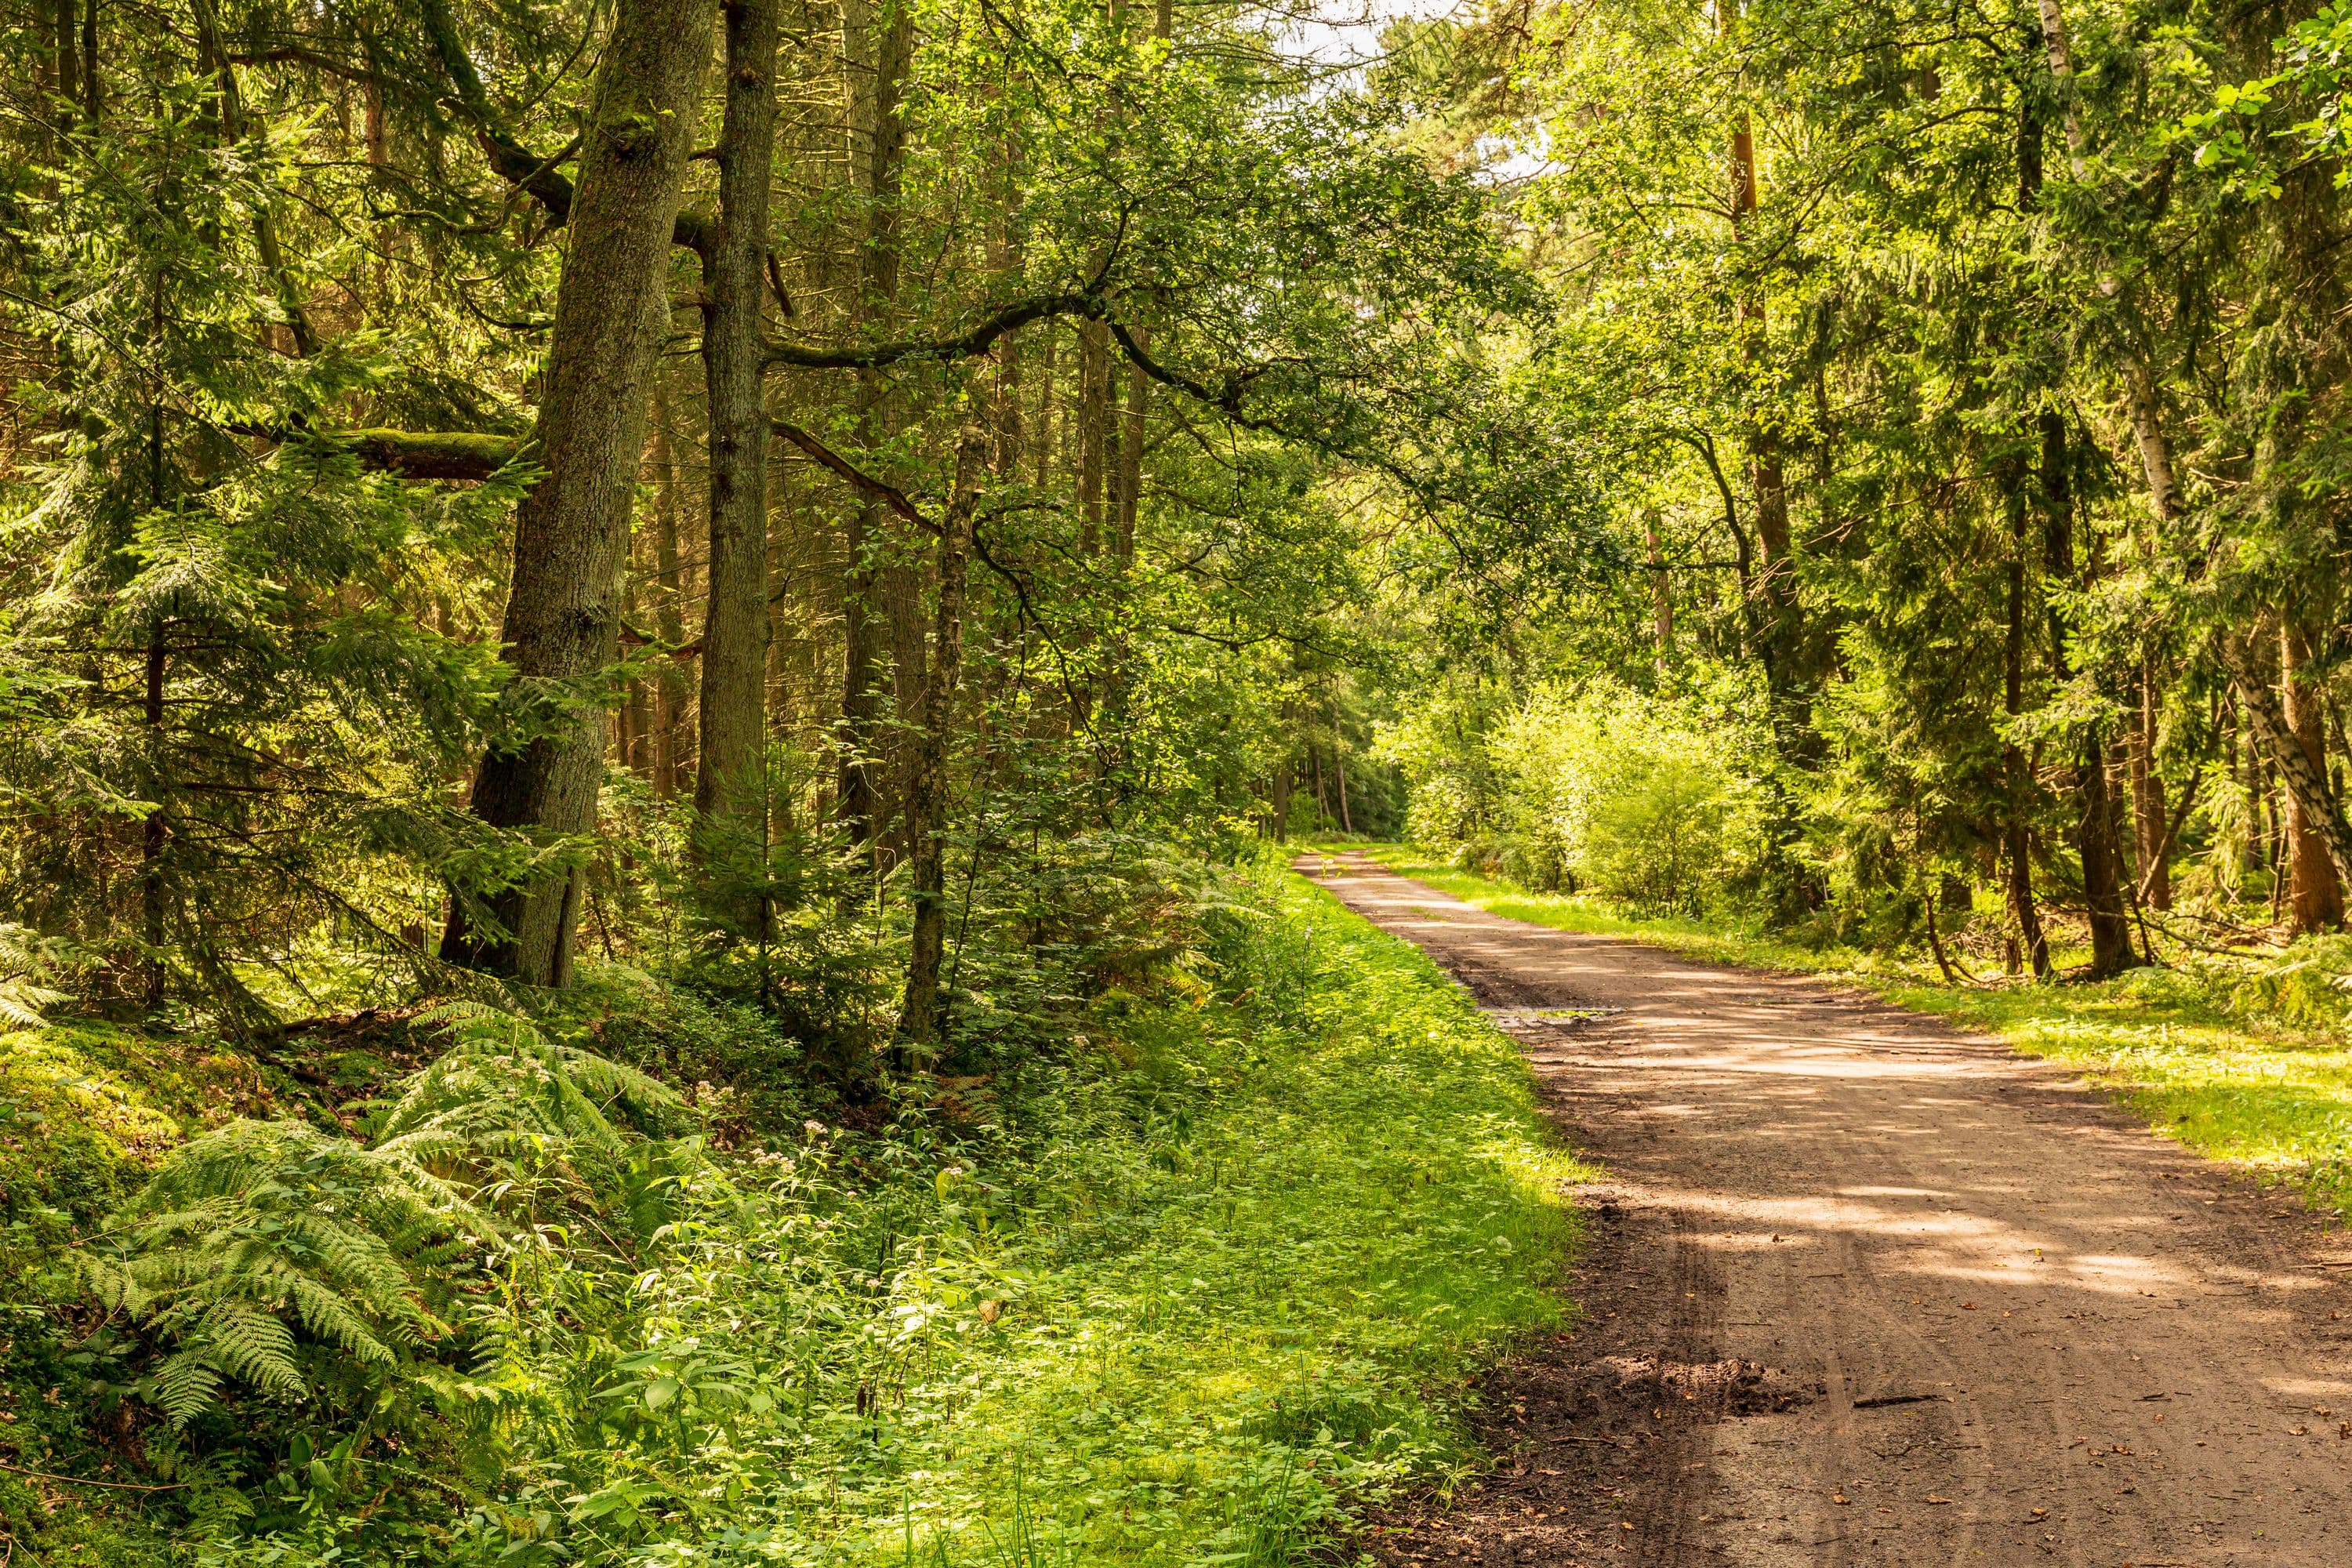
[(966, 345), (464, 455), (516, 163), (856, 478)]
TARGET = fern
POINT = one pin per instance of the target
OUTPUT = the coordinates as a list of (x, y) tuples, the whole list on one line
[(263, 1223), (26, 962), (507, 1107), (260, 1236)]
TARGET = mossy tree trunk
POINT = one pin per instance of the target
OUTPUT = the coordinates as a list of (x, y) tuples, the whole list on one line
[(730, 783), (562, 627)]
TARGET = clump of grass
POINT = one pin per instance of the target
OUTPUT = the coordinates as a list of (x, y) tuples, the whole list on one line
[(2205, 1055)]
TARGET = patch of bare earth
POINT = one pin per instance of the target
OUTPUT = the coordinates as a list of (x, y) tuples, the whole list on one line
[(1861, 1289)]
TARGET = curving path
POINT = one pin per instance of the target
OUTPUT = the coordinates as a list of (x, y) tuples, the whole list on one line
[(1865, 1290)]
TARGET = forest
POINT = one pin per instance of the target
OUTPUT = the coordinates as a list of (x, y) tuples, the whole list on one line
[(659, 660)]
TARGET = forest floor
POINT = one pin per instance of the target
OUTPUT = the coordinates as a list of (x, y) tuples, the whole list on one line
[(1860, 1289)]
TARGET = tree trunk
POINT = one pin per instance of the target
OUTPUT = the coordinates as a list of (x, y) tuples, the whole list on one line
[(920, 1020), (878, 598), (1662, 603), (669, 593), (2316, 897), (93, 93), (155, 831), (2151, 815), (2096, 839), (67, 79), (1047, 392), (730, 783), (1781, 629), (1094, 431), (571, 532), (1130, 454), (2017, 838)]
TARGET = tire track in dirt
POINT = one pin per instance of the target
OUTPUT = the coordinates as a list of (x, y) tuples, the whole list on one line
[(1862, 1290)]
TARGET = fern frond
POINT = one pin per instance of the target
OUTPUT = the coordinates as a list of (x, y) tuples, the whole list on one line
[(185, 1384), (331, 1318), (250, 1344)]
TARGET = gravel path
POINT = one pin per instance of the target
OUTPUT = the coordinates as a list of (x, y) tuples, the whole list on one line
[(1865, 1290)]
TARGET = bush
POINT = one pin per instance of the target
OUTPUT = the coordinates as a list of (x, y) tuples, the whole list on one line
[(1637, 796)]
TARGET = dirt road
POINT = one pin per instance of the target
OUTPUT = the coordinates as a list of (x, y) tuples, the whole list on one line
[(1863, 1291)]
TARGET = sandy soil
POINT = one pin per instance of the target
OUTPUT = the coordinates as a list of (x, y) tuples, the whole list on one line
[(1865, 1290)]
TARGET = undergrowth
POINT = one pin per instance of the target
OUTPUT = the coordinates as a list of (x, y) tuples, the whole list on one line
[(2244, 1062), (1197, 1288)]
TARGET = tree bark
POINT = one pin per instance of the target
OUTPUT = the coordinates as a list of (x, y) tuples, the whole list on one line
[(730, 781), (2315, 895), (920, 1019), (669, 596), (2017, 837), (571, 532), (2151, 815), (878, 607), (1662, 603), (1047, 392), (1130, 454), (1094, 431), (1781, 629), (2096, 839)]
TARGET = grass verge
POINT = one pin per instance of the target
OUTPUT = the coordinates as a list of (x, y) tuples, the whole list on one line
[(1201, 1298), (2265, 1094)]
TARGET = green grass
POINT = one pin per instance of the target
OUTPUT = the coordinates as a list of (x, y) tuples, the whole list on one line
[(1201, 1298), (2229, 1082)]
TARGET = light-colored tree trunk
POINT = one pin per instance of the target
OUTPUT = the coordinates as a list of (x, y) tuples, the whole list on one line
[(561, 629)]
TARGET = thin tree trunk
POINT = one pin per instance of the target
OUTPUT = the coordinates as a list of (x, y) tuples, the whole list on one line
[(93, 89), (2096, 836), (1046, 408), (730, 781), (1339, 769), (571, 532), (1094, 431), (1781, 629), (2017, 839), (154, 830), (1130, 454), (66, 78), (920, 1020), (669, 595), (2316, 897), (882, 601), (635, 711), (1662, 603), (2151, 824)]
